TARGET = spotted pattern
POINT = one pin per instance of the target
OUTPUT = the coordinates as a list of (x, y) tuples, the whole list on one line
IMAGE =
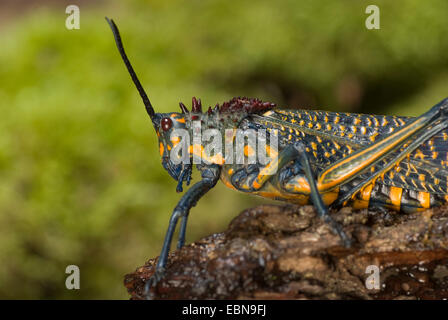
[(417, 181)]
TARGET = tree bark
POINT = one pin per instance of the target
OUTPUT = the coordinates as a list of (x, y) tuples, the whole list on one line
[(286, 252)]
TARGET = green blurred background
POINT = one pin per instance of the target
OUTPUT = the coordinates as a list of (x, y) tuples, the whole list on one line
[(80, 176)]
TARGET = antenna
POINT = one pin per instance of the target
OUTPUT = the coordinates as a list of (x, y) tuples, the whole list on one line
[(149, 108)]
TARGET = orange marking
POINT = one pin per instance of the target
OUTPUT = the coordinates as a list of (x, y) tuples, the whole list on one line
[(366, 192), (395, 196), (249, 151), (256, 185), (161, 149), (198, 150), (330, 197), (424, 199)]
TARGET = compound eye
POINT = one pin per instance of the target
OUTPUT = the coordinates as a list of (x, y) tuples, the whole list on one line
[(166, 124)]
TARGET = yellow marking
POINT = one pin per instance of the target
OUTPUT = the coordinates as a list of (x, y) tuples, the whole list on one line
[(301, 123), (336, 145), (336, 120), (310, 125), (175, 139), (419, 154), (421, 177), (329, 127), (319, 139), (435, 154), (423, 185), (354, 129), (289, 137), (326, 154), (357, 121), (373, 137), (230, 172), (350, 166), (363, 130), (395, 194), (318, 126), (391, 174), (424, 199), (314, 145)]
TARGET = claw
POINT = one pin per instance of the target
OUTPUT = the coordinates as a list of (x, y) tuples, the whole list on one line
[(152, 283), (337, 229), (185, 175)]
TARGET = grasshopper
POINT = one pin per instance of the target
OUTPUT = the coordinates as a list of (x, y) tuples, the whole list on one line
[(329, 159)]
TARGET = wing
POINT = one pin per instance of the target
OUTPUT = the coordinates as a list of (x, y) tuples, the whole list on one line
[(331, 136)]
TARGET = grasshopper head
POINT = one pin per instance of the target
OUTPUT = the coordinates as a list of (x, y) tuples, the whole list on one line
[(164, 123), (169, 128)]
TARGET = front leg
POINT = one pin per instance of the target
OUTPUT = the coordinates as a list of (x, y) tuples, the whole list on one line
[(210, 176)]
